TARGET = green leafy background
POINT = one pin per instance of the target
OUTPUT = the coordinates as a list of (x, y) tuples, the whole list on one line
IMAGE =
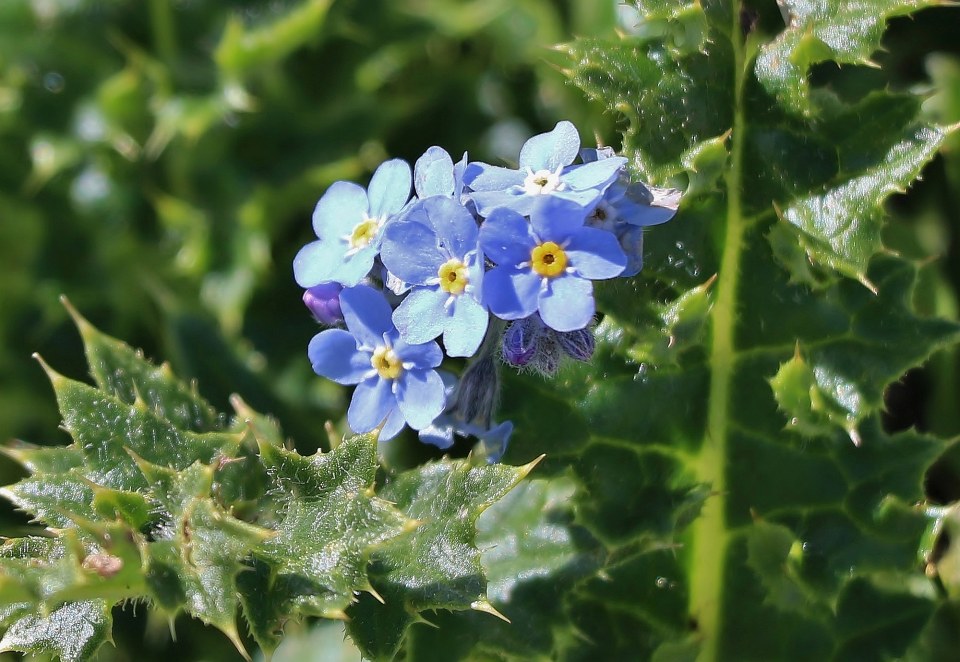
[(757, 465)]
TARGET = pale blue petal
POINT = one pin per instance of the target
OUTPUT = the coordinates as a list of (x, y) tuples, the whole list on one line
[(440, 434), (631, 241), (371, 403), (433, 173), (421, 316), (367, 314), (505, 238), (410, 252), (551, 150), (596, 254), (598, 174), (422, 356), (466, 327), (485, 177), (458, 173), (587, 198), (393, 425), (317, 263), (389, 188), (351, 270), (495, 441), (555, 219), (513, 198), (455, 226), (333, 354), (567, 304), (341, 208), (420, 396), (511, 294)]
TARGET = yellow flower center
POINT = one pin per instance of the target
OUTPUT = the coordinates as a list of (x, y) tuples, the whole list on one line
[(548, 259), (386, 362), (453, 276), (364, 232)]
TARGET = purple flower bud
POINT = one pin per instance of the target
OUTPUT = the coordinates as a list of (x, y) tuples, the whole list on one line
[(520, 340), (323, 300), (547, 358), (578, 345)]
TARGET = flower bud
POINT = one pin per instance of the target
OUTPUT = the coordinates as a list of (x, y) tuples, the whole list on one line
[(323, 301), (578, 345), (520, 340), (478, 391)]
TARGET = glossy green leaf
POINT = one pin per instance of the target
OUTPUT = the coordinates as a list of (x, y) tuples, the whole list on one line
[(438, 565), (711, 438)]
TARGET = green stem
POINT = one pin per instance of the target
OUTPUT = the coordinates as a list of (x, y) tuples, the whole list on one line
[(709, 533), (164, 31)]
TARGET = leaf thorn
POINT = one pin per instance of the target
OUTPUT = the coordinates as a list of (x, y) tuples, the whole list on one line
[(487, 608)]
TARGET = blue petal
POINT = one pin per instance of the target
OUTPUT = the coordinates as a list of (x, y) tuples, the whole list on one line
[(567, 304), (440, 434), (340, 209), (511, 294), (410, 252), (458, 173), (549, 151), (631, 241), (596, 254), (485, 177), (333, 354), (513, 198), (505, 238), (598, 174), (316, 263), (646, 206), (555, 219), (495, 441), (421, 316), (420, 396), (367, 314), (392, 425), (349, 271), (586, 198), (389, 188), (433, 173), (371, 403), (454, 225), (466, 327), (422, 356)]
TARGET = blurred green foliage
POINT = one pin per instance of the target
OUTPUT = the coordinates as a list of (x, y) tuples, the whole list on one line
[(159, 160)]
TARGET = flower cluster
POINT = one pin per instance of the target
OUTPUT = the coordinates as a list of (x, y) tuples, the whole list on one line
[(496, 263)]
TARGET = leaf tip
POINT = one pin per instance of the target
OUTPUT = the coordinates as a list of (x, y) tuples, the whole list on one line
[(487, 608), (529, 466)]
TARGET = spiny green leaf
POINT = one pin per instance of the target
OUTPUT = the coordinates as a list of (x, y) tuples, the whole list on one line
[(821, 30), (73, 632), (329, 527), (104, 428), (684, 453), (438, 565), (123, 372)]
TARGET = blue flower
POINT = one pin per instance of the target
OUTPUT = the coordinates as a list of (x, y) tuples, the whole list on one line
[(348, 221), (433, 248), (626, 208), (545, 170), (396, 382), (434, 173), (547, 264)]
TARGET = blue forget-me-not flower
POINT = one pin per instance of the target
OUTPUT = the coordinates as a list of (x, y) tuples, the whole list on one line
[(434, 249), (349, 221), (545, 171), (396, 383), (547, 264)]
